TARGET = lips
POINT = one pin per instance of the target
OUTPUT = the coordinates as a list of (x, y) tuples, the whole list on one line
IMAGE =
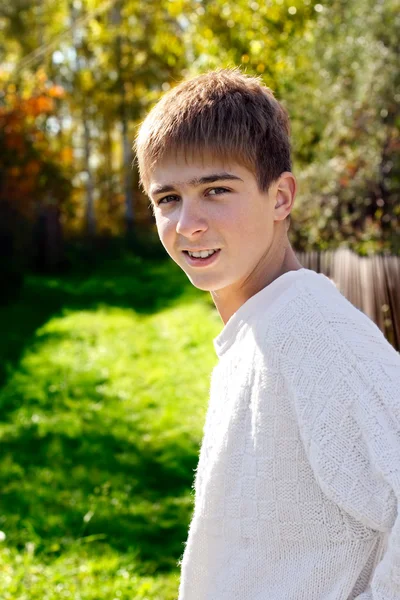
[(201, 249)]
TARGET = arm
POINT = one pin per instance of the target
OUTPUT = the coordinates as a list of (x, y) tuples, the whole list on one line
[(349, 420), (378, 418)]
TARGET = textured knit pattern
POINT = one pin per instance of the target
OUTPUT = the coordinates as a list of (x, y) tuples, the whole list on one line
[(298, 482)]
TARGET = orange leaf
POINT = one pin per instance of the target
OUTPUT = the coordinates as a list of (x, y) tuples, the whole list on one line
[(67, 155), (38, 105), (45, 104), (56, 91)]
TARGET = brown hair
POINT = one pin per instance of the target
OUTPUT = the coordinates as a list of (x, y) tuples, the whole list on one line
[(226, 112)]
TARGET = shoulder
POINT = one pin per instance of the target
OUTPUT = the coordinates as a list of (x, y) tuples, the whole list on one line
[(319, 334), (345, 326), (319, 309)]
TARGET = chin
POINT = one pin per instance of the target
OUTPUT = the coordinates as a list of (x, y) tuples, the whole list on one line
[(200, 285), (207, 284)]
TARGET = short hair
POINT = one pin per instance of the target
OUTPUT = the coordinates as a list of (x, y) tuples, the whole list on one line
[(225, 112)]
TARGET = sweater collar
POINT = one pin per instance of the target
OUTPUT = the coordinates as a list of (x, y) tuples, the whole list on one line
[(262, 299)]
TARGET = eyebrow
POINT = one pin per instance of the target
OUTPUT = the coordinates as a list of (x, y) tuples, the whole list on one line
[(171, 187)]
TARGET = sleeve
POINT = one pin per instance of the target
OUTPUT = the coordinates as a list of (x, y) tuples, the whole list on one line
[(381, 431), (349, 420)]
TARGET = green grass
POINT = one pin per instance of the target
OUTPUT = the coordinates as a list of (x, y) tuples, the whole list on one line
[(104, 391)]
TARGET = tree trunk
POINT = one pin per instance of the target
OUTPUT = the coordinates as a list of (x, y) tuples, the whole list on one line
[(90, 216), (89, 204), (116, 18)]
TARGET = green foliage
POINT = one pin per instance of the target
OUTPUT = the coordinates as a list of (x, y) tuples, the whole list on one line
[(345, 111), (102, 412), (253, 34)]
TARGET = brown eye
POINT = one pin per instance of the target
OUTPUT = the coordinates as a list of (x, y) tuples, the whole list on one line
[(217, 191), (167, 199)]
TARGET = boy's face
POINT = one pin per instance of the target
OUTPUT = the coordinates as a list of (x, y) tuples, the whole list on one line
[(207, 205)]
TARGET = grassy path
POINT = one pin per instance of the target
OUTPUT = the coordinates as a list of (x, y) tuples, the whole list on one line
[(104, 391)]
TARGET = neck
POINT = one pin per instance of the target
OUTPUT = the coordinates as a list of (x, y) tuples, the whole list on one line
[(279, 260)]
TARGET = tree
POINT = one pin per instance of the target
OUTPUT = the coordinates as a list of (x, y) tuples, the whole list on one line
[(33, 184)]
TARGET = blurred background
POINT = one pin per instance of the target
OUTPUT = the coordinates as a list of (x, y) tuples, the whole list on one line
[(106, 349)]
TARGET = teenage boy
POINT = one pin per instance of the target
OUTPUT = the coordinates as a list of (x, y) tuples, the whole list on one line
[(298, 482)]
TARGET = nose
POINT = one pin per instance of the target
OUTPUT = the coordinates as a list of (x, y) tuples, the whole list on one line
[(191, 221)]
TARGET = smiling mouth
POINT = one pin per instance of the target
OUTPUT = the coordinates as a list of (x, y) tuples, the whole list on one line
[(201, 253), (202, 258)]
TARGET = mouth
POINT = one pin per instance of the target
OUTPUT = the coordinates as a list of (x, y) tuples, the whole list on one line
[(201, 257)]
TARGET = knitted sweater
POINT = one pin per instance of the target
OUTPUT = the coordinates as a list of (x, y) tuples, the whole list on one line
[(297, 486)]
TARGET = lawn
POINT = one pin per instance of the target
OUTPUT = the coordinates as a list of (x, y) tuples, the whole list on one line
[(104, 386)]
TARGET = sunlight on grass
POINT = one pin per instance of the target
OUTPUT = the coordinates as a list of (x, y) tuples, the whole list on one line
[(101, 427), (79, 575)]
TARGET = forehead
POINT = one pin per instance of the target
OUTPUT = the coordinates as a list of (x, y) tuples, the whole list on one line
[(182, 170)]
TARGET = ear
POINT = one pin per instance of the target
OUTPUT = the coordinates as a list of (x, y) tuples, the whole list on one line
[(285, 193)]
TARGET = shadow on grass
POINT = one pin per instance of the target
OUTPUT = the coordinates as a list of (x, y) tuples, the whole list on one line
[(57, 489)]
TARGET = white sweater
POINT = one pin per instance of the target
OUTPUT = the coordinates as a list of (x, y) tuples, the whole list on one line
[(298, 482)]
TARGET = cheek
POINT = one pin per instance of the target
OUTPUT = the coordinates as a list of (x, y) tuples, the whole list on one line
[(255, 221), (244, 223), (165, 229)]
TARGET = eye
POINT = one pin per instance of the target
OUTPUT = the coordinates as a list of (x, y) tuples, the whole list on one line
[(217, 191), (167, 199)]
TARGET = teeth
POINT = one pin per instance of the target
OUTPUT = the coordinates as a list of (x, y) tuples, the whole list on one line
[(202, 254)]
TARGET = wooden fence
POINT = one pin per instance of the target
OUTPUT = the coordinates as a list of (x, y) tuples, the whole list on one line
[(371, 283)]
